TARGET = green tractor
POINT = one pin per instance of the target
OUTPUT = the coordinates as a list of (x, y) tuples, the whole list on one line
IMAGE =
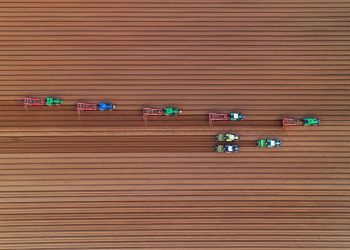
[(311, 121), (53, 101), (269, 143), (172, 111)]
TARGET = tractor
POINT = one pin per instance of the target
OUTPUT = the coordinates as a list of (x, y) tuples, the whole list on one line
[(53, 101), (171, 111), (227, 137), (236, 116), (227, 148), (311, 121), (106, 106), (269, 143)]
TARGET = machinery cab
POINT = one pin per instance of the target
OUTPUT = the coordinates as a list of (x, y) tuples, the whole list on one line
[(234, 116)]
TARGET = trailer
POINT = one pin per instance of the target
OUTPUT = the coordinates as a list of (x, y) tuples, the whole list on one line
[(218, 117), (32, 101), (152, 111), (286, 121), (83, 106)]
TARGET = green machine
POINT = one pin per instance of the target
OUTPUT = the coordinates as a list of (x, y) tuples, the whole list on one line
[(172, 111), (311, 121), (269, 143), (53, 101)]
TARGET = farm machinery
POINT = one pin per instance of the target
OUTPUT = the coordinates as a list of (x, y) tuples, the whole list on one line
[(306, 121), (102, 106), (232, 116), (227, 148), (228, 137), (167, 111), (269, 143), (49, 101)]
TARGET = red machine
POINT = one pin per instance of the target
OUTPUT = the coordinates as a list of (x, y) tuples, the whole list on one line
[(82, 106), (32, 101), (218, 117), (291, 122), (152, 112)]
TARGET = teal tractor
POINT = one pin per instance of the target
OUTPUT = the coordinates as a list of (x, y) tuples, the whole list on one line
[(311, 121), (234, 116)]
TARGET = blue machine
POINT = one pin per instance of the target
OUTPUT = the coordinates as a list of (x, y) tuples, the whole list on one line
[(105, 106)]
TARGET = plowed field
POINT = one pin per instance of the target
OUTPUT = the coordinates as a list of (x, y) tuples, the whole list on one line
[(110, 180)]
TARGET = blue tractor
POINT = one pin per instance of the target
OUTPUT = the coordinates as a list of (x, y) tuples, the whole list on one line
[(106, 106)]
